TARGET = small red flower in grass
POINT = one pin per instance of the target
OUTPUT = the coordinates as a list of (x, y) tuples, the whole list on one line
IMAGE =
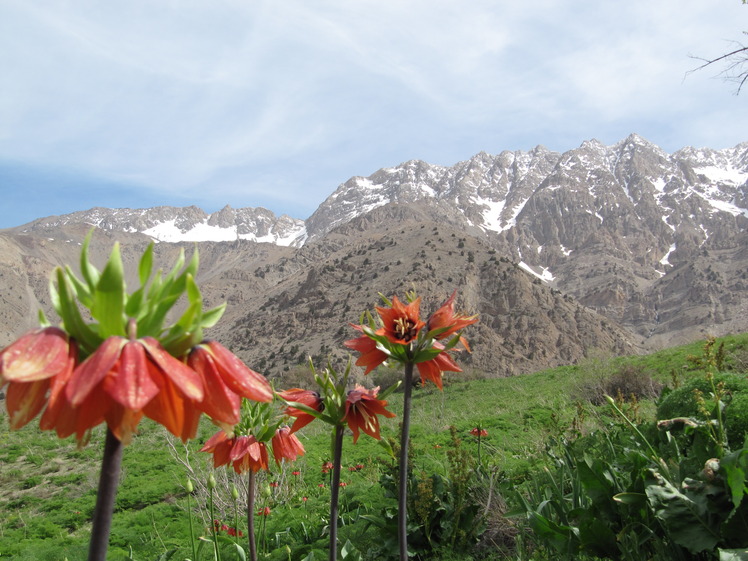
[(306, 397), (361, 410), (343, 484), (126, 378), (264, 511), (304, 499), (352, 468), (286, 446), (477, 431), (274, 484), (296, 473), (320, 484), (326, 467), (40, 361), (229, 379)]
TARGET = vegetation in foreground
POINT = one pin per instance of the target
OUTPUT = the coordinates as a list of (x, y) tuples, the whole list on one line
[(562, 474)]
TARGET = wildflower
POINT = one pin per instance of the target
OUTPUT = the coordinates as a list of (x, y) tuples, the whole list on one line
[(445, 319), (370, 355), (326, 467), (274, 484), (359, 467), (286, 446), (306, 397), (126, 378), (432, 369), (342, 484), (31, 365), (264, 511), (477, 431), (400, 323), (249, 454), (296, 473), (304, 499), (320, 484), (352, 468), (361, 410), (231, 531), (243, 452), (229, 379)]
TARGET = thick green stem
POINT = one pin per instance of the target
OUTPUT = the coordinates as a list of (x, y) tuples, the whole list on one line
[(192, 529), (251, 516), (108, 481), (335, 490), (402, 504)]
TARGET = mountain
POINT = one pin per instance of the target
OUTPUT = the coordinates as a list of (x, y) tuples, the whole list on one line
[(610, 247)]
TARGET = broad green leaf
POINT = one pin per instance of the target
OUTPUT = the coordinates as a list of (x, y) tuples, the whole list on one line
[(71, 317), (686, 521), (81, 289), (630, 498), (735, 466)]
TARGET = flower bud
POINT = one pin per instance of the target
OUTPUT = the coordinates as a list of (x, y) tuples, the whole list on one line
[(234, 492), (211, 481), (189, 486)]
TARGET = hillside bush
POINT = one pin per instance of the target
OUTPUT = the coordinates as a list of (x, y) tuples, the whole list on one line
[(682, 402), (629, 382)]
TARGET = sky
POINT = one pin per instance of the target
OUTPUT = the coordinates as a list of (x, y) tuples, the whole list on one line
[(251, 103)]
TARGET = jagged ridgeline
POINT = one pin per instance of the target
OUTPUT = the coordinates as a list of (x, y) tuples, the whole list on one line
[(613, 248)]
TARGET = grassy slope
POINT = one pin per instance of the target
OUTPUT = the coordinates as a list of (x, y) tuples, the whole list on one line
[(47, 487)]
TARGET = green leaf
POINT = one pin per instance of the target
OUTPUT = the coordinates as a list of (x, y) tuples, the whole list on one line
[(735, 466), (563, 539), (211, 317), (686, 521), (71, 317), (145, 267), (89, 272), (630, 498), (81, 290), (109, 297)]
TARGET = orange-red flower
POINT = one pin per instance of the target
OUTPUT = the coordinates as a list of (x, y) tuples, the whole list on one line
[(400, 323), (445, 318), (125, 379), (249, 454), (30, 366), (477, 431), (243, 452), (306, 397), (228, 379), (361, 410), (432, 369), (265, 511), (371, 356), (286, 446)]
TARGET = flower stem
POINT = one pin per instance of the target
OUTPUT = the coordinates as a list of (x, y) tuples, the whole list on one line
[(335, 490), (107, 491), (402, 499), (192, 530), (251, 516)]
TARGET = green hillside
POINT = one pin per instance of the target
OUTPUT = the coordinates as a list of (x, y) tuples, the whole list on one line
[(48, 486)]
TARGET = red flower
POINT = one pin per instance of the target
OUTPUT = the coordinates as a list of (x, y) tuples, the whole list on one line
[(274, 484), (342, 484), (249, 454), (231, 532), (479, 432), (304, 499), (445, 318), (320, 484), (37, 361), (296, 473), (361, 410), (432, 369), (306, 397), (229, 379), (125, 379), (243, 452), (371, 356), (400, 323), (326, 467), (286, 446), (264, 511), (352, 468)]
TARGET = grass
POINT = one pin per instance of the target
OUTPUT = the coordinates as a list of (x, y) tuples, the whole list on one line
[(47, 486)]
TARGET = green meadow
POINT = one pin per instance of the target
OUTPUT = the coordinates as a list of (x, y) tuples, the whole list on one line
[(510, 496)]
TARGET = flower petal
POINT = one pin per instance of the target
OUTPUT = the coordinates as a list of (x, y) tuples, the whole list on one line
[(238, 376), (91, 371), (36, 355), (132, 385), (186, 379)]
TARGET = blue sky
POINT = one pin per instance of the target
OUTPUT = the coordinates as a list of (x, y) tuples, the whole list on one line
[(274, 104)]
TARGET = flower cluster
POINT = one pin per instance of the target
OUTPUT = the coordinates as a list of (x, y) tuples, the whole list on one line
[(126, 364), (230, 530), (404, 337)]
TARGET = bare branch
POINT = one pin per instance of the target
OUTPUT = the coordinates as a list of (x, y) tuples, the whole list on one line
[(736, 69)]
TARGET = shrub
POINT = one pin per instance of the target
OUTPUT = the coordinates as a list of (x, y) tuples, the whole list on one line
[(627, 382), (682, 403)]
